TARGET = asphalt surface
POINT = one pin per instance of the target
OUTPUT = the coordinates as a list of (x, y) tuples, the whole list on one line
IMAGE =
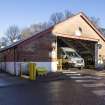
[(68, 89)]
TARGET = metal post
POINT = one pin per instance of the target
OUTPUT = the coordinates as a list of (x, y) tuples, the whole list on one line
[(96, 55)]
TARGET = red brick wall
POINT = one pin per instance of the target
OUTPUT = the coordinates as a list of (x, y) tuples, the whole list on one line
[(7, 55), (36, 50)]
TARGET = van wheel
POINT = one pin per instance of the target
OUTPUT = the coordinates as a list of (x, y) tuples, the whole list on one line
[(80, 68), (66, 66)]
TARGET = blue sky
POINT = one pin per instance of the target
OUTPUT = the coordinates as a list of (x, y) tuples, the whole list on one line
[(23, 13)]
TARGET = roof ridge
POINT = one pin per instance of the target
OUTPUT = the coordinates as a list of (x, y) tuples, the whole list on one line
[(94, 26)]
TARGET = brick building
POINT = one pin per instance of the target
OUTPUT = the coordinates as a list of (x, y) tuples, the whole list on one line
[(41, 48)]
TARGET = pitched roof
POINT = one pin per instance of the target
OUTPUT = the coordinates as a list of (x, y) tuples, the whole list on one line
[(21, 41), (93, 26), (82, 15)]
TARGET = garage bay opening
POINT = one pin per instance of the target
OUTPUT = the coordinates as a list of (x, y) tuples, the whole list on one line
[(75, 53)]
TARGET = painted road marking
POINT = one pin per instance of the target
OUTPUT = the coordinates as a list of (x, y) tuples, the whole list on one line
[(70, 74), (94, 85), (84, 77), (89, 82), (82, 81), (73, 72)]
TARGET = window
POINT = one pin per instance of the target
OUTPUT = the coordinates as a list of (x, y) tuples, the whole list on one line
[(72, 54), (80, 29), (78, 32)]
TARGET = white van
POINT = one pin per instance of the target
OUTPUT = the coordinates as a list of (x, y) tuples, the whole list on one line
[(72, 57)]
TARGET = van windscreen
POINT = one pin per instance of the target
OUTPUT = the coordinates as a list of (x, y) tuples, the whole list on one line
[(72, 54)]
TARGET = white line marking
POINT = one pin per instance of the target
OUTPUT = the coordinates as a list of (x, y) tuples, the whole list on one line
[(69, 72), (73, 74), (94, 85), (81, 81), (85, 77)]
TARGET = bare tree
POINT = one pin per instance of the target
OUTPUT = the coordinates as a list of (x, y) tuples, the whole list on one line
[(13, 34), (68, 14), (26, 33), (60, 16), (56, 18), (34, 29), (45, 25), (95, 21), (3, 42)]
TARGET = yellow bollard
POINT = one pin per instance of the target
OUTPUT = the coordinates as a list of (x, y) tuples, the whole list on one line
[(32, 71)]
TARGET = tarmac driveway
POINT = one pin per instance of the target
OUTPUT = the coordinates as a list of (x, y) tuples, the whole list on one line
[(68, 89), (9, 80)]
